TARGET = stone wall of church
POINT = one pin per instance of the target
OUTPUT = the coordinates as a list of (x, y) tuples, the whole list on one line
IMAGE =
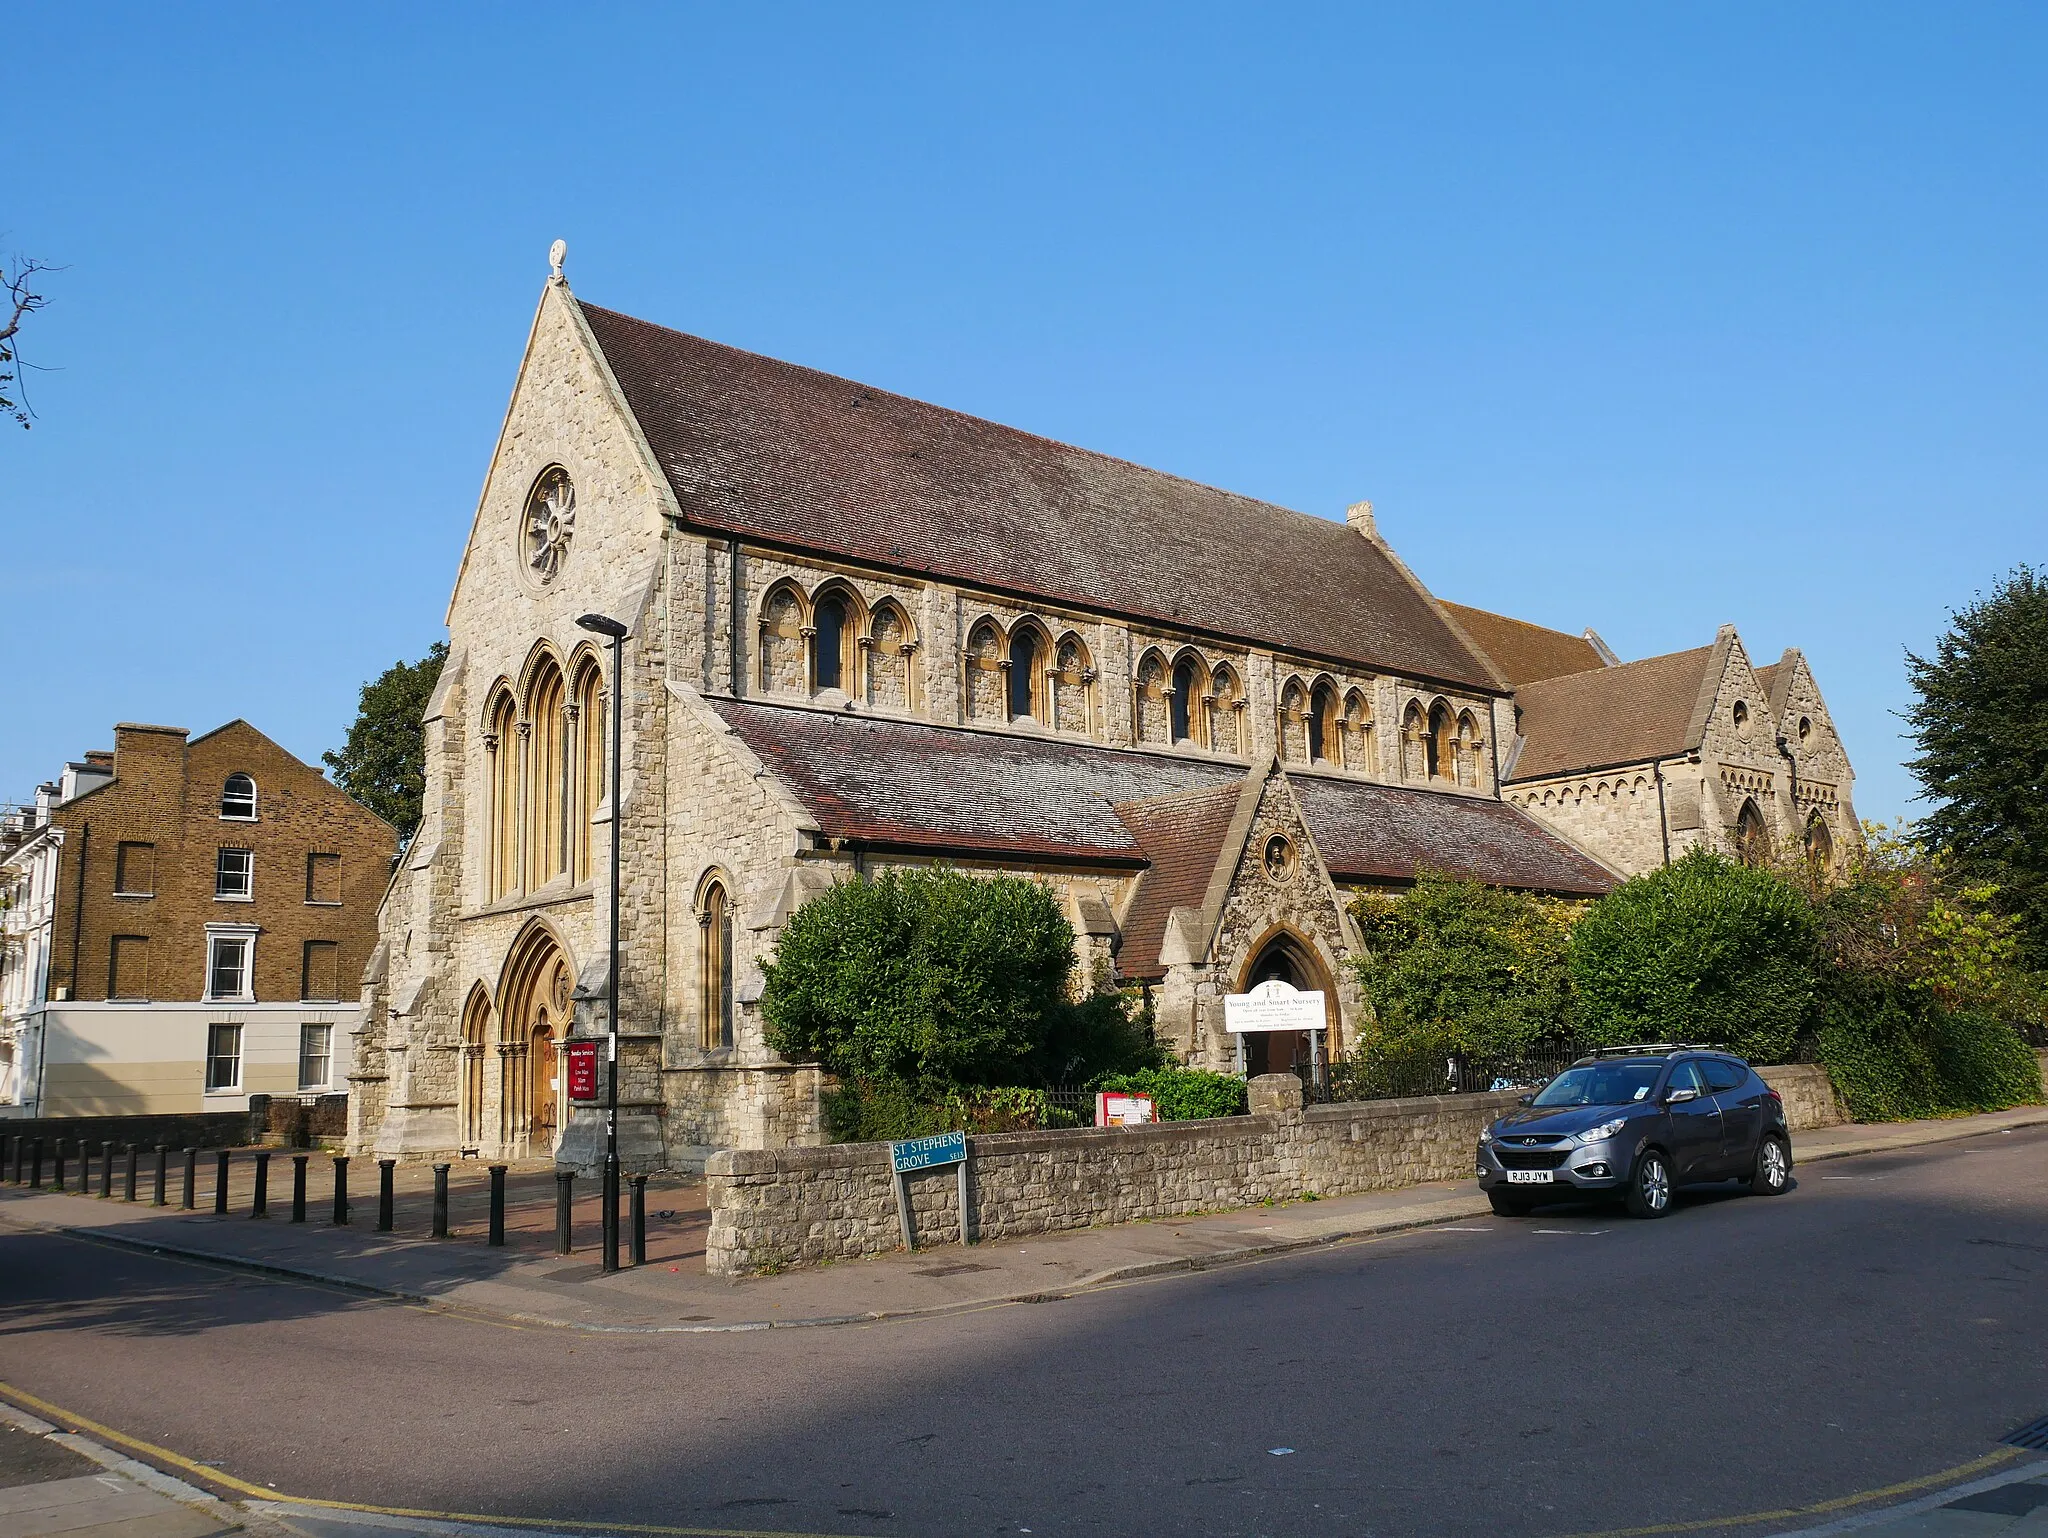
[(1614, 816)]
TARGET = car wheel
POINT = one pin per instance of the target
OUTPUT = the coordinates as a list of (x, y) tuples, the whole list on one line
[(1506, 1206), (1649, 1186), (1773, 1176)]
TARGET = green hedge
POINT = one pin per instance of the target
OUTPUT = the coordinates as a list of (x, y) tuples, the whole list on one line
[(887, 1113), (1183, 1094), (1895, 1057)]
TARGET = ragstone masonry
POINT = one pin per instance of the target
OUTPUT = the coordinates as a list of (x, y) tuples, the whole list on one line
[(868, 633), (773, 1209)]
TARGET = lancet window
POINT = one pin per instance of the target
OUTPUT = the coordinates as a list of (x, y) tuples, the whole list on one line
[(984, 682), (1071, 677), (1153, 717)]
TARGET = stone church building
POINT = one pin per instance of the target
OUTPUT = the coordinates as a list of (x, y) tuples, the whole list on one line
[(867, 632)]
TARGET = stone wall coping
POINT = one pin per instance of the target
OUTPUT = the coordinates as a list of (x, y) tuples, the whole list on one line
[(780, 1161), (1412, 1105)]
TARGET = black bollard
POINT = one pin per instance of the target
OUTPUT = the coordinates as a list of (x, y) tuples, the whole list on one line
[(163, 1158), (191, 1180), (385, 1167), (299, 1187), (565, 1193), (259, 1207), (440, 1201), (340, 1188), (639, 1220), (497, 1235), (35, 1164), (130, 1196), (107, 1171), (57, 1169), (220, 1183)]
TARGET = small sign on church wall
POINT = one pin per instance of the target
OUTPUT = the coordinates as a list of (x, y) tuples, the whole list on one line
[(1274, 1006), (582, 1056)]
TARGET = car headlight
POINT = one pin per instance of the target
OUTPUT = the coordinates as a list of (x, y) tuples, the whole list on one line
[(1603, 1132)]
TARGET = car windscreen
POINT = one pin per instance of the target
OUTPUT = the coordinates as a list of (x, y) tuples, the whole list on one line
[(1600, 1084)]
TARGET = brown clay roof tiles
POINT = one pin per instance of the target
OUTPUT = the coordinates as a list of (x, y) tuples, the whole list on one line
[(802, 459), (1522, 652), (1618, 715), (1182, 838), (1389, 832), (908, 785)]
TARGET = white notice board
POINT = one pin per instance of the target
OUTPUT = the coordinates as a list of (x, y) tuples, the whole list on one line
[(1274, 1006)]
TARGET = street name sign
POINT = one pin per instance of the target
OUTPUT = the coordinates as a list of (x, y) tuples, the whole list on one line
[(923, 1153)]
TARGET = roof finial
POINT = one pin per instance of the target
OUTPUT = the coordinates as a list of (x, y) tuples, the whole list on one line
[(556, 252), (1359, 516)]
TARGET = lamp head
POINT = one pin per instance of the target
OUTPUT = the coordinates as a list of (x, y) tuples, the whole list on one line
[(602, 624)]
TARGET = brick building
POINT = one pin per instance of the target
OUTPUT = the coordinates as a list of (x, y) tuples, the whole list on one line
[(187, 924)]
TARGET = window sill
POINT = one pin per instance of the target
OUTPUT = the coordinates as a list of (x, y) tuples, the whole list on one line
[(134, 896), (318, 902), (232, 897), (233, 1091), (231, 817)]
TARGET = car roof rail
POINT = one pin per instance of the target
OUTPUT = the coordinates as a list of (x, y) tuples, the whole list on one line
[(1650, 1049)]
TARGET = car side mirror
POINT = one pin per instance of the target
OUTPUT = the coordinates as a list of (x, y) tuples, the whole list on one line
[(1525, 1099), (1680, 1096)]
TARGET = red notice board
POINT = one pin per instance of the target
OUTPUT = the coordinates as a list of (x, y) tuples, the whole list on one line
[(582, 1070)]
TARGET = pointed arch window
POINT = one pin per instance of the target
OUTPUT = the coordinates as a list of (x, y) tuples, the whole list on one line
[(1184, 703), (501, 744), (1027, 669), (1293, 722), (1152, 723), (714, 973), (1359, 748), (1752, 841), (1226, 716), (828, 643), (782, 641), (891, 644), (1322, 724), (984, 681), (1820, 845), (547, 757), (1072, 675), (589, 750), (1440, 748)]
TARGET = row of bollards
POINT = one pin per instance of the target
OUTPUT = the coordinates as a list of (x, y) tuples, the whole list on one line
[(23, 1157)]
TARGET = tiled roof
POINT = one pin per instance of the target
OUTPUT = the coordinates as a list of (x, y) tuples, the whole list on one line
[(1182, 836), (1522, 652), (1618, 715), (806, 460), (1388, 832), (909, 785)]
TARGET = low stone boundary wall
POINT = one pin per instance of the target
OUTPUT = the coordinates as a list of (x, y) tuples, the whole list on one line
[(775, 1208), (197, 1129), (1809, 1096)]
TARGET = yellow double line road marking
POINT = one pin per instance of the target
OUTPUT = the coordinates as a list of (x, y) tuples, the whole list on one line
[(163, 1455), (214, 1476)]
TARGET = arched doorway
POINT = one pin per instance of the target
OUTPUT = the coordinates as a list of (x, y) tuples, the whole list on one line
[(533, 1019), (1286, 957)]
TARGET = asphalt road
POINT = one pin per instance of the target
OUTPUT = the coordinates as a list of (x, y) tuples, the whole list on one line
[(1567, 1372)]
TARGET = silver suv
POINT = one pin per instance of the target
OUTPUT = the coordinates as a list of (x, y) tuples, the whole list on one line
[(1638, 1122)]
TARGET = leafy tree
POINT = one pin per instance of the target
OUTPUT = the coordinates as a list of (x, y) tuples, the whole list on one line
[(930, 981), (1704, 950), (1454, 966), (384, 762), (1981, 721)]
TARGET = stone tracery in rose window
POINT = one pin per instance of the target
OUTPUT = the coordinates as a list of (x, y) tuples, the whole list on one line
[(550, 523)]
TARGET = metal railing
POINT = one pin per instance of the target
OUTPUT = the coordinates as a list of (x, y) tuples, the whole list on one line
[(1394, 1078)]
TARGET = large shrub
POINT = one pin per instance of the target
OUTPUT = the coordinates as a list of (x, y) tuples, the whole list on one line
[(1455, 967), (1923, 987), (1704, 950), (926, 982), (1183, 1094)]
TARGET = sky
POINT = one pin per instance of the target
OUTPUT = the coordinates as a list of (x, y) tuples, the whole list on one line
[(1644, 318)]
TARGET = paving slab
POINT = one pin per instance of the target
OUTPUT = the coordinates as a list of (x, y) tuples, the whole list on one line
[(525, 1283)]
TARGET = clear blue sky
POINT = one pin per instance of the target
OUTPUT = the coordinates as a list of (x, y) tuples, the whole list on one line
[(1648, 318)]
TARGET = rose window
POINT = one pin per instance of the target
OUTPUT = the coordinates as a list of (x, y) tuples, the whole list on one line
[(550, 523)]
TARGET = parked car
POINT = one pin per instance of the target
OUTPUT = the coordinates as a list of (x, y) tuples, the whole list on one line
[(1638, 1122)]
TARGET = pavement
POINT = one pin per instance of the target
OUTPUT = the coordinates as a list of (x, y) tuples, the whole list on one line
[(1854, 1351), (525, 1281), (55, 1483)]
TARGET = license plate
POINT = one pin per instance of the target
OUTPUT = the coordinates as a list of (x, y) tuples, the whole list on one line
[(1530, 1178)]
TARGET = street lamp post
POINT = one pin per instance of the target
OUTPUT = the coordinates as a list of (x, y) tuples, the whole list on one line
[(599, 624)]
